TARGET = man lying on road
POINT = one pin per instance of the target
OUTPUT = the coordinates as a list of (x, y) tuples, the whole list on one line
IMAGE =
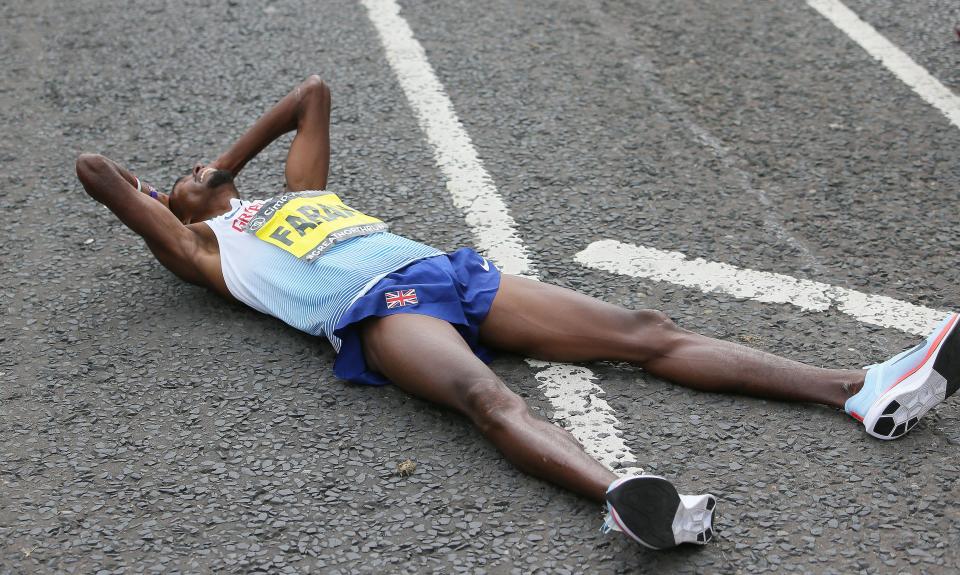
[(402, 312)]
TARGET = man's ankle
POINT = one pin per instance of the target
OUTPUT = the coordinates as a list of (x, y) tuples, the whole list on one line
[(854, 382)]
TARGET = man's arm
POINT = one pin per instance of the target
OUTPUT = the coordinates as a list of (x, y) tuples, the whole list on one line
[(305, 109), (173, 244)]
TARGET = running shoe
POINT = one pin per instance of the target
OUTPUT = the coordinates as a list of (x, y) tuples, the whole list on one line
[(897, 392), (650, 511)]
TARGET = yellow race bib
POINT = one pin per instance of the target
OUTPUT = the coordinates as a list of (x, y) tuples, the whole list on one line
[(306, 224)]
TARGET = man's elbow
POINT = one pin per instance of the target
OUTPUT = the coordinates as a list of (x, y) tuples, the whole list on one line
[(314, 91), (89, 164), (89, 167)]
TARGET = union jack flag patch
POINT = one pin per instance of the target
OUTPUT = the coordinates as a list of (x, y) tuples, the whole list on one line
[(401, 298)]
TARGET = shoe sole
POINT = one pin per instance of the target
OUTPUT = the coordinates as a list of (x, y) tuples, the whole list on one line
[(899, 409), (650, 511)]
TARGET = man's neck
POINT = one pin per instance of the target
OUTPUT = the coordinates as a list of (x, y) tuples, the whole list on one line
[(220, 204)]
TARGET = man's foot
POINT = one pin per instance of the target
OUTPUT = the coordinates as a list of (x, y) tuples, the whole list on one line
[(897, 392), (649, 510)]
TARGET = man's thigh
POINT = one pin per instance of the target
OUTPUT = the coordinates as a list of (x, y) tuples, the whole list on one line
[(550, 322), (426, 357)]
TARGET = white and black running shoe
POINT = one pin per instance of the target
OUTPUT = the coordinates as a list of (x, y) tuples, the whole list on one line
[(899, 391), (650, 511)]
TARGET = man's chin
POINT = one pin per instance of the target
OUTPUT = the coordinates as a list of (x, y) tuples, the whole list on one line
[(217, 178)]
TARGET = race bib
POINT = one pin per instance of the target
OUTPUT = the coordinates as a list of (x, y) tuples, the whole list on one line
[(307, 224)]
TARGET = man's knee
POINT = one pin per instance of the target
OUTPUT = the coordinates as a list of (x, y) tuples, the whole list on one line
[(653, 333), (491, 405)]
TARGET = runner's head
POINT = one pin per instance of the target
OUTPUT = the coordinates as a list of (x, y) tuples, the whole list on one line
[(202, 194)]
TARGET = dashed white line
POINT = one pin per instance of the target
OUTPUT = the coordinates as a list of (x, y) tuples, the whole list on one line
[(707, 276), (571, 390), (895, 60)]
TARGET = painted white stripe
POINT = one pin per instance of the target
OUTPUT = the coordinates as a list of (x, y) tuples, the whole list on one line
[(579, 407), (570, 389), (468, 182), (895, 60), (675, 268)]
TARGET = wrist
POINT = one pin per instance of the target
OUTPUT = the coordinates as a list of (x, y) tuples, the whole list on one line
[(143, 188)]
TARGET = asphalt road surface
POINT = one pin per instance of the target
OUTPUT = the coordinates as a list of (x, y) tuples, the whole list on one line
[(147, 426)]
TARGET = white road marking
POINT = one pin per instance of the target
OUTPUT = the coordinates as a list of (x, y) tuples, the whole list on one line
[(675, 268), (579, 407), (468, 182), (895, 60), (569, 389)]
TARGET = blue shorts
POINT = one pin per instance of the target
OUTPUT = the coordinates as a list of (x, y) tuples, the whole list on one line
[(458, 288)]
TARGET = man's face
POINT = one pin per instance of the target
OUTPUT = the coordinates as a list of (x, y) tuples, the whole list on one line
[(192, 194)]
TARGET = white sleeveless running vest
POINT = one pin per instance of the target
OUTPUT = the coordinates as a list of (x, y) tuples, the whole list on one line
[(310, 296)]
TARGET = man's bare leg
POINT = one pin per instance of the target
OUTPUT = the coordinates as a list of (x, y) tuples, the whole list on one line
[(553, 323), (426, 357)]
